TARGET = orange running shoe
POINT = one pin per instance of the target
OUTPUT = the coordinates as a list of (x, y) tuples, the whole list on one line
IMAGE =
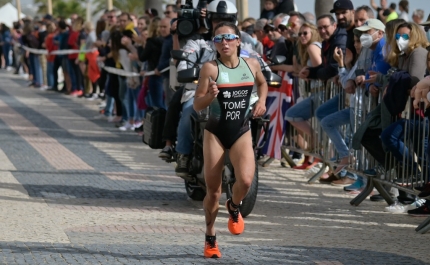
[(211, 248), (235, 220)]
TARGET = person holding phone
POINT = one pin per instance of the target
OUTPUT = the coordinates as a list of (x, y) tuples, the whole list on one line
[(225, 85)]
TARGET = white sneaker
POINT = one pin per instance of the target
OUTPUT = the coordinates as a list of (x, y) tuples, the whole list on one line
[(127, 126), (138, 124), (102, 105), (398, 207), (9, 68)]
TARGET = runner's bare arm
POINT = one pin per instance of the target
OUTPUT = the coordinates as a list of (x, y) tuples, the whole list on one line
[(206, 89)]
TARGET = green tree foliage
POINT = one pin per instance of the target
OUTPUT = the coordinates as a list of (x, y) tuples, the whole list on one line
[(63, 8)]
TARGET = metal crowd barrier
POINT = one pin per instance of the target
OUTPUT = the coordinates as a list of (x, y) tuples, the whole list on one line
[(405, 175)]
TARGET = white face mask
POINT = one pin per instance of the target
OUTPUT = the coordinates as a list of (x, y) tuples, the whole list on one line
[(367, 40), (402, 44)]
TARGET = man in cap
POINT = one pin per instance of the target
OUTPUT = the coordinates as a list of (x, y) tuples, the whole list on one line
[(344, 11), (372, 37), (426, 26)]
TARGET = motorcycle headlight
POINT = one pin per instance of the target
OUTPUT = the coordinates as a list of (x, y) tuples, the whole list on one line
[(274, 84)]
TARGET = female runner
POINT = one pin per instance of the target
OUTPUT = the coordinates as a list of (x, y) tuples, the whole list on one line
[(225, 85)]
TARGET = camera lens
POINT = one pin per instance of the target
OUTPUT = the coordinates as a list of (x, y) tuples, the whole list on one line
[(186, 27)]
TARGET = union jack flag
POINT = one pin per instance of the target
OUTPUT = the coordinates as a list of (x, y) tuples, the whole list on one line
[(277, 103)]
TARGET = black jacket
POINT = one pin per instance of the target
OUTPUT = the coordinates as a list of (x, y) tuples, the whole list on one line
[(151, 52), (285, 7), (267, 14), (329, 66)]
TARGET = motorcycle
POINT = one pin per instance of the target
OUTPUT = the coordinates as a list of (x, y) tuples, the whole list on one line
[(195, 181)]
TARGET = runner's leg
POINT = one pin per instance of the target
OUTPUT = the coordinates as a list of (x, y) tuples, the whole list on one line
[(213, 153)]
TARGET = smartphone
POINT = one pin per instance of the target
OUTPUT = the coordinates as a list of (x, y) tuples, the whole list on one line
[(359, 72)]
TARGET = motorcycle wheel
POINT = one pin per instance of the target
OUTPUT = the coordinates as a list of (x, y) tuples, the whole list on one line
[(249, 201), (194, 192)]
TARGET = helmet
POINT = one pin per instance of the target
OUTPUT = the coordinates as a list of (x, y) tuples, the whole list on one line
[(222, 10)]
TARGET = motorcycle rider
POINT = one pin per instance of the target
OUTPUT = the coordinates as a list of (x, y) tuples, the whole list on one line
[(201, 50), (226, 85)]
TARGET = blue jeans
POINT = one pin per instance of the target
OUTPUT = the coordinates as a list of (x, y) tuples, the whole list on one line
[(36, 69), (72, 74), (393, 138), (6, 51), (301, 111), (109, 106), (156, 90), (50, 73), (329, 107), (185, 137), (330, 124), (133, 110)]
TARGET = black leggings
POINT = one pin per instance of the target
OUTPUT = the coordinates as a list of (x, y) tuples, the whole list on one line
[(102, 80), (114, 92), (173, 116)]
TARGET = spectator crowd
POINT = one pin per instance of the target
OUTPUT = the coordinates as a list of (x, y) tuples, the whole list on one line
[(358, 47)]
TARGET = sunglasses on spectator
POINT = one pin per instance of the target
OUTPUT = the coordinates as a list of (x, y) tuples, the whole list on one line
[(110, 17), (426, 28), (226, 37), (404, 36), (305, 33), (291, 25), (167, 12)]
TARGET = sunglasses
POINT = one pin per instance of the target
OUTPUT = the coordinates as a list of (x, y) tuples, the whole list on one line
[(404, 36), (227, 37), (305, 33), (291, 25), (167, 12), (109, 16), (426, 28)]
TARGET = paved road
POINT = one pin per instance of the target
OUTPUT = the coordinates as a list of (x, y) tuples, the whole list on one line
[(74, 190)]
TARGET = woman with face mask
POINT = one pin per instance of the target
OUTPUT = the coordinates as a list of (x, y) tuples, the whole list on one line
[(408, 50), (408, 53)]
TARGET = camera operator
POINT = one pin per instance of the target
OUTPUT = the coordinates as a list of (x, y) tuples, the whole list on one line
[(200, 49)]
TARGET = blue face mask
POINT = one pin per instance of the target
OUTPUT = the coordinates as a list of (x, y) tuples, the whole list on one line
[(254, 41)]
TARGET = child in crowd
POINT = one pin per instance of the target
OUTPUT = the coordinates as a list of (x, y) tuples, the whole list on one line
[(269, 9)]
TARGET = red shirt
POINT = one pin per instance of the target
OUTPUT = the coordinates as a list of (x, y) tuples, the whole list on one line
[(50, 46), (267, 45)]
